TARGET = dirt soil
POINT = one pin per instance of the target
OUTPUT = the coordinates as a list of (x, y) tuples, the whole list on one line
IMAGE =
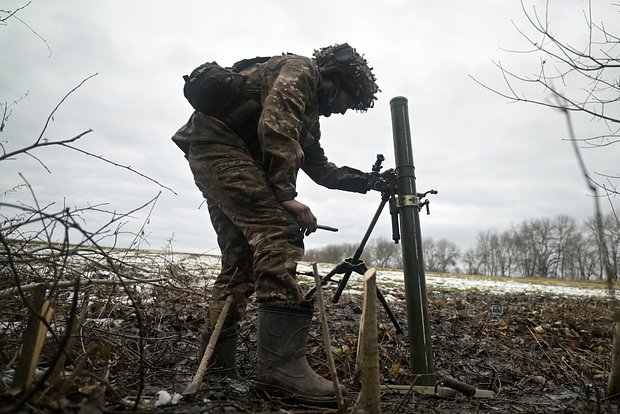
[(538, 354)]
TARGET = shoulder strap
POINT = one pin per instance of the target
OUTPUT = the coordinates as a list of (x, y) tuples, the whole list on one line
[(246, 63)]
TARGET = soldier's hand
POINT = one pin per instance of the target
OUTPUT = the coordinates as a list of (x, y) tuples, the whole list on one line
[(307, 221), (382, 182), (389, 175)]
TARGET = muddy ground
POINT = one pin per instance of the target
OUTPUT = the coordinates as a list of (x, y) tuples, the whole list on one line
[(539, 354)]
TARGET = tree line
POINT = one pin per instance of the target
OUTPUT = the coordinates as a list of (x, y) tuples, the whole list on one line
[(558, 247)]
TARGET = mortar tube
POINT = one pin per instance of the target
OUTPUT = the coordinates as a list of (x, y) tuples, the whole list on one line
[(420, 346)]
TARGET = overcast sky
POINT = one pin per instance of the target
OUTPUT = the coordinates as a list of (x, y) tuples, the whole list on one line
[(494, 163)]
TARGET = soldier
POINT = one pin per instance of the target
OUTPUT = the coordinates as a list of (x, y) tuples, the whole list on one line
[(245, 163)]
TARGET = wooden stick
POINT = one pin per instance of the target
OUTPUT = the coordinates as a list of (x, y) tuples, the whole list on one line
[(342, 405), (369, 398), (34, 337), (613, 382), (194, 385), (75, 329)]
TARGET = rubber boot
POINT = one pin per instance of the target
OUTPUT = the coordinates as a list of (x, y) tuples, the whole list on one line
[(282, 367), (223, 362)]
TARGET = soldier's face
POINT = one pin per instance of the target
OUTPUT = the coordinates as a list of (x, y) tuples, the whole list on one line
[(334, 99), (342, 102)]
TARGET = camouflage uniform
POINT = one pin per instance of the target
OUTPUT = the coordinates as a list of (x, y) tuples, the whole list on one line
[(246, 165)]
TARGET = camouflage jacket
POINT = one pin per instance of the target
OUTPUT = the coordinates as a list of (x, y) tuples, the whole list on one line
[(283, 132)]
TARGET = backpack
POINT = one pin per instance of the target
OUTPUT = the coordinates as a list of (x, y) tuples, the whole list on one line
[(213, 89)]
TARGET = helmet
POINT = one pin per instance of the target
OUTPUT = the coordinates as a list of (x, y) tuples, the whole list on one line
[(352, 70)]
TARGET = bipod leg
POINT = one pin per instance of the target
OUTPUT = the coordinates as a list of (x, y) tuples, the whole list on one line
[(340, 268), (389, 311), (361, 268), (358, 253)]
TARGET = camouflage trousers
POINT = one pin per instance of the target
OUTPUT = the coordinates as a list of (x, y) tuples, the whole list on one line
[(260, 241)]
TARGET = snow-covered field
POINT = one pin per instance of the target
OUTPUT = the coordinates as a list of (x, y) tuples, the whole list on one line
[(395, 279)]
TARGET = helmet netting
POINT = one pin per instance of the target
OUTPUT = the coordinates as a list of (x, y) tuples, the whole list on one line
[(352, 69)]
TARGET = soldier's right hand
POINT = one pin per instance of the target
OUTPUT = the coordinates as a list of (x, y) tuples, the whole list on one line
[(307, 220)]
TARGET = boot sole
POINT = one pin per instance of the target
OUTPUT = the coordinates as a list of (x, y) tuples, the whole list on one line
[(270, 390)]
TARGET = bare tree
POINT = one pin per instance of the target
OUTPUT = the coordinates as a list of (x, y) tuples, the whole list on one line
[(335, 253), (579, 78), (472, 264), (506, 253), (385, 253), (484, 254), (576, 78), (441, 255), (494, 253), (447, 253), (428, 249), (545, 247), (611, 226), (583, 260), (565, 228)]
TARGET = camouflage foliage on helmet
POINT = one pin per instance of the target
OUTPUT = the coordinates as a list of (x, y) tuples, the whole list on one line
[(351, 68)]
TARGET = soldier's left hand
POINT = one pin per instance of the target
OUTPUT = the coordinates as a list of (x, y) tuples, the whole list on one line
[(305, 217), (389, 175), (383, 181)]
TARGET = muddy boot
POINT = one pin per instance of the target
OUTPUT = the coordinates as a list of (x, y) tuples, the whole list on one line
[(223, 362), (282, 367)]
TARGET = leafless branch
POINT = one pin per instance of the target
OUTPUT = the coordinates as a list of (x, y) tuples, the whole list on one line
[(51, 115), (592, 67), (6, 114), (593, 187), (127, 167), (25, 150), (41, 142), (58, 261), (13, 14)]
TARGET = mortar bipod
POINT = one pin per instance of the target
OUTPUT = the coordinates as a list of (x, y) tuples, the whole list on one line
[(358, 266)]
